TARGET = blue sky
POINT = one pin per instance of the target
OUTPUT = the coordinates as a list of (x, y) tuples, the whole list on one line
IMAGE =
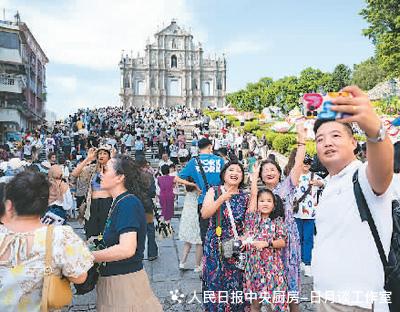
[(84, 38)]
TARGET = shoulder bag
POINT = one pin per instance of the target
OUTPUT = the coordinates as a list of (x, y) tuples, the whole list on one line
[(56, 291)]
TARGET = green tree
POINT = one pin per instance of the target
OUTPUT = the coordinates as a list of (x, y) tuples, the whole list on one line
[(341, 77), (367, 74), (314, 80), (384, 31)]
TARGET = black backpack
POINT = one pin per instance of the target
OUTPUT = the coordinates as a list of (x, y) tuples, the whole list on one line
[(391, 265)]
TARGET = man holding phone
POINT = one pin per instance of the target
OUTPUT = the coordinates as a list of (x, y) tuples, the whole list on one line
[(346, 264)]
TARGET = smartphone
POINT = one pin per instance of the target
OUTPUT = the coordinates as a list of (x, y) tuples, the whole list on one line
[(318, 105)]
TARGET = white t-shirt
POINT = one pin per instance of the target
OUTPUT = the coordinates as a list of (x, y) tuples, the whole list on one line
[(345, 257), (396, 186)]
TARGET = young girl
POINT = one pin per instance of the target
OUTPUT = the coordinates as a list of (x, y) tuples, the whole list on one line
[(266, 232)]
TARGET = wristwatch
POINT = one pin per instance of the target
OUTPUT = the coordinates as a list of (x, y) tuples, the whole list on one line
[(381, 135)]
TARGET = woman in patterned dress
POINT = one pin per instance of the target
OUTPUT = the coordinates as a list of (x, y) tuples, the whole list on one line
[(222, 279), (271, 176)]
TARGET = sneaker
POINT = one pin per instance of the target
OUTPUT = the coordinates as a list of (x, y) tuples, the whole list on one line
[(181, 266), (307, 270), (198, 269)]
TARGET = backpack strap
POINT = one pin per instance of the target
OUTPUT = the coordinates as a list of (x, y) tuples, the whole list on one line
[(365, 214), (203, 174)]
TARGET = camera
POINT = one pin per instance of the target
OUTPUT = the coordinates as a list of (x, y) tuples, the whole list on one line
[(318, 105), (231, 248), (237, 245)]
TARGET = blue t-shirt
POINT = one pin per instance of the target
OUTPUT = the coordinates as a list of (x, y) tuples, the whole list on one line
[(127, 216), (212, 166)]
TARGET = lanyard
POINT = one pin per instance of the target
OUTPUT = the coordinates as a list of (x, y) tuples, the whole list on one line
[(113, 205)]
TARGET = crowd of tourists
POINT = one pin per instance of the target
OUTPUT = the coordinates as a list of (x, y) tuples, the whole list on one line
[(255, 226)]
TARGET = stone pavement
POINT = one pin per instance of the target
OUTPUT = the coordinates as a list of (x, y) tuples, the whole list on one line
[(166, 279)]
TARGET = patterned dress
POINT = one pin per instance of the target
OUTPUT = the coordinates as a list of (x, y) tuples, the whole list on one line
[(22, 271), (291, 255), (265, 272), (222, 280)]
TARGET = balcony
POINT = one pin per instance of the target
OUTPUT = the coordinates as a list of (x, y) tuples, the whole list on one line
[(11, 83)]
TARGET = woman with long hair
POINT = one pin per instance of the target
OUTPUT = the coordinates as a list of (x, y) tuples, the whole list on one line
[(123, 284)]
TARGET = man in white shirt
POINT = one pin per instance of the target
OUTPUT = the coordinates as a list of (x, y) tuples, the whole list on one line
[(348, 273)]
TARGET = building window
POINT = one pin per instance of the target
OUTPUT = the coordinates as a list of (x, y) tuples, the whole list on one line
[(206, 88), (126, 82), (174, 87), (219, 84), (140, 87), (9, 40), (174, 61), (173, 44)]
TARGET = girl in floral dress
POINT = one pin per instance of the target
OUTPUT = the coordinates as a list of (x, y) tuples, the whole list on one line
[(265, 272), (222, 279), (271, 176)]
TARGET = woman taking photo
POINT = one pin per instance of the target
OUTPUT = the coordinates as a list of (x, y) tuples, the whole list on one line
[(23, 248), (123, 284), (221, 273), (98, 200), (271, 176)]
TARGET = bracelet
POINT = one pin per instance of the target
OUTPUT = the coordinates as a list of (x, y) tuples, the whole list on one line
[(299, 144)]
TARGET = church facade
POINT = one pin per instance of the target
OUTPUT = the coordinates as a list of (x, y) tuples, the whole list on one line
[(173, 72)]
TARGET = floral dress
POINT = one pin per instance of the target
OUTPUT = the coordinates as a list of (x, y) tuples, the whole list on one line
[(22, 272), (265, 272), (222, 280), (291, 255)]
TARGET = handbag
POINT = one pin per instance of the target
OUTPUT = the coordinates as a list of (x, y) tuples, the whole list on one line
[(56, 291), (391, 266)]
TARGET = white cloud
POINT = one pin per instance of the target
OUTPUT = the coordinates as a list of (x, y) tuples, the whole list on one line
[(92, 33), (247, 46), (67, 83)]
